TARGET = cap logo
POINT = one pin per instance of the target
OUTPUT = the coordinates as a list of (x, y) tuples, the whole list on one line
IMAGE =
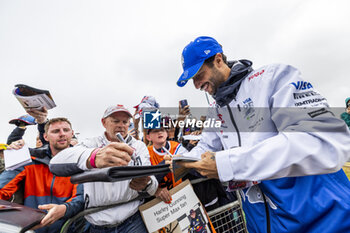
[(185, 74), (207, 51), (182, 60)]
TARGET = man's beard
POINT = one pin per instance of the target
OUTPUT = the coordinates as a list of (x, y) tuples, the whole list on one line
[(216, 79), (60, 147)]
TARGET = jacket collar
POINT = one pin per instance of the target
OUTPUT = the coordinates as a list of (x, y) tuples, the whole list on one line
[(160, 151), (41, 154), (227, 91)]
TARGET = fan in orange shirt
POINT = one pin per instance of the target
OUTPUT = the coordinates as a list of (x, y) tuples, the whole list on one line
[(158, 137)]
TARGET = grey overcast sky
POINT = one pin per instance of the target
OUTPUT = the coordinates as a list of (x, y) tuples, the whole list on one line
[(91, 54)]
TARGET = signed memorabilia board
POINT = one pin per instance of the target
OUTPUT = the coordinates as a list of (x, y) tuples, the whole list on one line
[(185, 213)]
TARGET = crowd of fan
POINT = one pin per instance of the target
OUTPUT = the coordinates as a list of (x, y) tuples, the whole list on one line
[(48, 187), (37, 186)]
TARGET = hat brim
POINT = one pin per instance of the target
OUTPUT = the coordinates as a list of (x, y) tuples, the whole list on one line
[(188, 74), (14, 121), (119, 110), (347, 100), (149, 130)]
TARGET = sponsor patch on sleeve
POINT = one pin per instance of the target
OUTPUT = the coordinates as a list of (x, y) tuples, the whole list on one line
[(308, 98), (318, 112)]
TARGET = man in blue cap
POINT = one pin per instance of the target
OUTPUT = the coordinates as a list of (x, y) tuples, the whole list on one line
[(34, 116), (21, 126), (278, 142)]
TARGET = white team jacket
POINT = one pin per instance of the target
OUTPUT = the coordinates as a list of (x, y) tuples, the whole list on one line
[(103, 193), (284, 127)]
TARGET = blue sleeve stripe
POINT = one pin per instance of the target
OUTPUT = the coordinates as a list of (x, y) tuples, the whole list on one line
[(177, 149)]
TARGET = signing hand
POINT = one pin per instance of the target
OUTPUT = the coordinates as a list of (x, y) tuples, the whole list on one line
[(114, 154), (140, 183), (206, 166)]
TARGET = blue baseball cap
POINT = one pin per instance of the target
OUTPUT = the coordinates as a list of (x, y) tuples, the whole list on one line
[(26, 120), (194, 55)]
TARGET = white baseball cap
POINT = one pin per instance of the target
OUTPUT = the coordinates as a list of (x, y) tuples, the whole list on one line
[(116, 108)]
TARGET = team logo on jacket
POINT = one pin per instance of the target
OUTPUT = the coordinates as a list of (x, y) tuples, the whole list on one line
[(151, 120), (221, 119), (136, 160), (301, 85), (256, 75), (254, 195), (248, 108)]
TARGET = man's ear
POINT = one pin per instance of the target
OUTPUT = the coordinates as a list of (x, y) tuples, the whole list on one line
[(148, 137), (218, 61), (103, 120), (45, 137)]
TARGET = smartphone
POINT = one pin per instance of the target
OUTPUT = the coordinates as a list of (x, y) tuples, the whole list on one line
[(183, 103)]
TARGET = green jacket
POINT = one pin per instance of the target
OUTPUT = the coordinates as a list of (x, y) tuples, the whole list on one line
[(346, 117)]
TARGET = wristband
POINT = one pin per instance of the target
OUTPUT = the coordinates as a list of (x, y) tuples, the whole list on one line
[(147, 186), (93, 157)]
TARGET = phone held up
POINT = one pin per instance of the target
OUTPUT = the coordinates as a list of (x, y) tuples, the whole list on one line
[(183, 103)]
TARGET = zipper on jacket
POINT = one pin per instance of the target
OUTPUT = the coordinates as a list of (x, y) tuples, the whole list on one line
[(51, 188), (268, 225), (234, 124)]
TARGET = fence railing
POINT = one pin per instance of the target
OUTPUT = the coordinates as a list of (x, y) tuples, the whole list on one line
[(225, 219), (228, 218)]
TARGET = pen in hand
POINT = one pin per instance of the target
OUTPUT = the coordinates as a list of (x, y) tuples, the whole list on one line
[(121, 139)]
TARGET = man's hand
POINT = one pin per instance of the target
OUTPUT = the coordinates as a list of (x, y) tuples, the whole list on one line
[(194, 142), (169, 160), (114, 154), (136, 119), (164, 195), (206, 166), (133, 132), (54, 213), (140, 183), (16, 145), (183, 112), (39, 115)]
